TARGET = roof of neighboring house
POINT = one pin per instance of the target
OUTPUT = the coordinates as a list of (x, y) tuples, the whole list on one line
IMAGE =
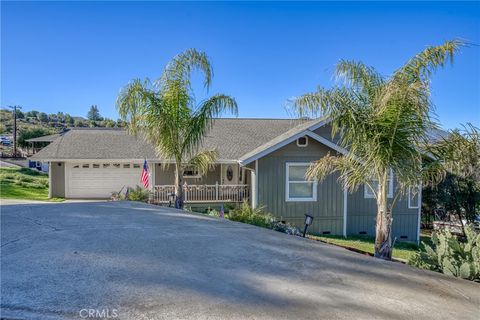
[(49, 138), (232, 138)]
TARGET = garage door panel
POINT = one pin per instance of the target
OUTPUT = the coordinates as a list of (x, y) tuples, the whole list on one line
[(100, 182)]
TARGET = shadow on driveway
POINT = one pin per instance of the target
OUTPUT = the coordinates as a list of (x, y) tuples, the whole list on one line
[(153, 262)]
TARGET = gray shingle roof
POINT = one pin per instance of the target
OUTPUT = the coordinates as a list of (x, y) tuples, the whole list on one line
[(279, 138), (232, 138), (49, 138)]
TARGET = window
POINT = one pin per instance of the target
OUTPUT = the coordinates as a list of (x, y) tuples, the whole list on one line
[(95, 166), (136, 165), (302, 141), (368, 192), (76, 166), (86, 165), (190, 172), (116, 165), (229, 173), (126, 165), (298, 188), (106, 165), (414, 197)]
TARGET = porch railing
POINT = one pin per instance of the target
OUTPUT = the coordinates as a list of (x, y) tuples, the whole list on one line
[(204, 193)]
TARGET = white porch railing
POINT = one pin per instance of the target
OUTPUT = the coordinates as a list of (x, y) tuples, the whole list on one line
[(204, 193)]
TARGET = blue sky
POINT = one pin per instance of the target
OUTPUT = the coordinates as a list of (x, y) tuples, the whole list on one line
[(66, 56)]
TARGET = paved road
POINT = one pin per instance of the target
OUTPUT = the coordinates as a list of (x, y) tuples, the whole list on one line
[(4, 164), (137, 261)]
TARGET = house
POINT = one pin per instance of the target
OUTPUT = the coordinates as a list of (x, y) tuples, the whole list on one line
[(37, 144), (262, 161)]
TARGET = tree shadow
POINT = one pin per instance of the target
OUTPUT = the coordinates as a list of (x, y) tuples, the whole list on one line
[(148, 260)]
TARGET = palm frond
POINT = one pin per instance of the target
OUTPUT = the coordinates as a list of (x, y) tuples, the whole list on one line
[(202, 119), (421, 66), (132, 102), (179, 69), (203, 161), (360, 77)]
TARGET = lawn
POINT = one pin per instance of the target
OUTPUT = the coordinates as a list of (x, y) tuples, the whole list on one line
[(24, 183), (401, 251)]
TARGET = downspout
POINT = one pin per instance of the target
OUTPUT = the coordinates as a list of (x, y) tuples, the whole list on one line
[(345, 202), (419, 222)]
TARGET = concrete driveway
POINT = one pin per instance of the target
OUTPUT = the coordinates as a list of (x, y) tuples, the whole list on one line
[(134, 261)]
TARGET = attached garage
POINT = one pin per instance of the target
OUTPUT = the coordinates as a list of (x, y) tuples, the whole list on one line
[(100, 179)]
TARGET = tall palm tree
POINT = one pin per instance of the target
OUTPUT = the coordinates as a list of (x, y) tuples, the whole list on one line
[(383, 122), (166, 114)]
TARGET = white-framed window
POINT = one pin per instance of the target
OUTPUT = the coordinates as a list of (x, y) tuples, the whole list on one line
[(367, 192), (85, 165), (302, 141), (190, 172), (95, 166), (136, 165), (297, 187), (414, 197)]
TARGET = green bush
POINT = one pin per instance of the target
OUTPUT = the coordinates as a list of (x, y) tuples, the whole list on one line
[(138, 194), (450, 255), (247, 214)]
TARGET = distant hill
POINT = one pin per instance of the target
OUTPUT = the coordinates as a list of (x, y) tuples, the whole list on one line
[(52, 123)]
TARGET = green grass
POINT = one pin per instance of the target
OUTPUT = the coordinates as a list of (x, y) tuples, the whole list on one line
[(402, 250), (24, 183)]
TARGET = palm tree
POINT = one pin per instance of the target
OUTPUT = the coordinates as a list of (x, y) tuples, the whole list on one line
[(383, 122), (166, 114)]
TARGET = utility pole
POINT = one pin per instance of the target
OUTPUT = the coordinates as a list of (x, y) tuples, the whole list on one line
[(15, 129)]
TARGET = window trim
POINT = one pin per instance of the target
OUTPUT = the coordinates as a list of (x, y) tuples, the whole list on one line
[(417, 206), (287, 184), (302, 145), (368, 195)]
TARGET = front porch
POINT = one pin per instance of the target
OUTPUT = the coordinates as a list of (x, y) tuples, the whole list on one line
[(223, 183), (203, 193)]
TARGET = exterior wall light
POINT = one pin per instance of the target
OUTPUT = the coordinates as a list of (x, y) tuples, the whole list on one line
[(308, 221)]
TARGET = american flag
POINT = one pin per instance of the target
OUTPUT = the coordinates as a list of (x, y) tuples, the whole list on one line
[(144, 178)]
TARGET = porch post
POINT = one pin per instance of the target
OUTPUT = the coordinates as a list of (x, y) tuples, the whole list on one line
[(216, 190), (50, 179), (254, 182), (419, 222), (345, 202)]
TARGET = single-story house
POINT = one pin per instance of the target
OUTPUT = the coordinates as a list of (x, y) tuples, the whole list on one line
[(262, 161), (37, 144)]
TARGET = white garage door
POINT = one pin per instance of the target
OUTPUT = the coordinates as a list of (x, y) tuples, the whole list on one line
[(99, 180)]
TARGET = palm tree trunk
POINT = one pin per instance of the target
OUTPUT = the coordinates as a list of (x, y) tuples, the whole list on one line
[(178, 186), (383, 239)]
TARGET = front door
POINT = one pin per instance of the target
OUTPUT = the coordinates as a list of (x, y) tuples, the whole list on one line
[(229, 174)]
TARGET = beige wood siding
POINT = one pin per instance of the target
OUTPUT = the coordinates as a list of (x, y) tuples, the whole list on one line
[(57, 170)]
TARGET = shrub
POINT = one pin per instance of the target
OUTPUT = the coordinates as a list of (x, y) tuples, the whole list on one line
[(247, 214), (138, 194), (450, 255), (286, 227)]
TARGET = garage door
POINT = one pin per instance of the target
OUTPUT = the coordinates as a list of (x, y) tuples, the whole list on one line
[(99, 180)]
